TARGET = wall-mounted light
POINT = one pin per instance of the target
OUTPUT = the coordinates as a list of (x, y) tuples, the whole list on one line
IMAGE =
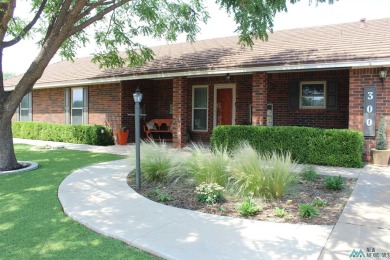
[(227, 77), (382, 76)]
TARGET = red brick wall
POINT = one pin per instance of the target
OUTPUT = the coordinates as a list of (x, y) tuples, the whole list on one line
[(179, 111), (49, 105), (105, 105), (259, 98), (283, 116), (360, 78)]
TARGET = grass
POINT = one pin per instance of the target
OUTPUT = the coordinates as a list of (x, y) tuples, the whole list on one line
[(32, 223), (267, 175), (209, 167)]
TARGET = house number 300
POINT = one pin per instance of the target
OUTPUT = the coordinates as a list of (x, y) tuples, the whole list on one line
[(369, 112)]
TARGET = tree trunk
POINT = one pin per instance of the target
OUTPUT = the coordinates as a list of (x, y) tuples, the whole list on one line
[(7, 154)]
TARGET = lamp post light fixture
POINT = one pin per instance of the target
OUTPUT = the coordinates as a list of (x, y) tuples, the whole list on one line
[(137, 100), (382, 76)]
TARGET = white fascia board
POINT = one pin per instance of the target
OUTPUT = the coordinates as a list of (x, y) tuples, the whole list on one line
[(214, 72)]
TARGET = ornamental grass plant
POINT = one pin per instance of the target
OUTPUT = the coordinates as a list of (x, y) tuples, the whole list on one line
[(268, 175), (157, 162), (206, 166)]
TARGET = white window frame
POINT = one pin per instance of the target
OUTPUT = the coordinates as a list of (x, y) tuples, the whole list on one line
[(76, 108), (69, 105), (29, 109), (193, 108), (301, 106)]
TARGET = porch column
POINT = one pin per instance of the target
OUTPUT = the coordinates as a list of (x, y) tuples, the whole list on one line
[(259, 98), (358, 79), (179, 108)]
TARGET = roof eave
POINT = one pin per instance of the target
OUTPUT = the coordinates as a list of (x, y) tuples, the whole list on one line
[(214, 72)]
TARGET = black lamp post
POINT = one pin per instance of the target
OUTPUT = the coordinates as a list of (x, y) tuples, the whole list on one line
[(137, 100)]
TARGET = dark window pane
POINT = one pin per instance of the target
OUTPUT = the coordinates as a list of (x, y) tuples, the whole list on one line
[(313, 101), (24, 115), (200, 119), (200, 98), (312, 89), (77, 116), (25, 101)]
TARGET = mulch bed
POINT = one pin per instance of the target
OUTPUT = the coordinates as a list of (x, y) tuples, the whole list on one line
[(304, 192)]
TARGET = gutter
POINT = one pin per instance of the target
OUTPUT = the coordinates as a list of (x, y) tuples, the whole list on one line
[(167, 75)]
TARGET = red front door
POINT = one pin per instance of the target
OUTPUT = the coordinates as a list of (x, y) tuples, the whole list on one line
[(224, 106)]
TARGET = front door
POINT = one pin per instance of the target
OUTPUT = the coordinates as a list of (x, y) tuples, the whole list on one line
[(224, 105)]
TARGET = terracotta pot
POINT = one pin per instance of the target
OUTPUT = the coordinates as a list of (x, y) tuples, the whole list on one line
[(122, 137), (380, 157)]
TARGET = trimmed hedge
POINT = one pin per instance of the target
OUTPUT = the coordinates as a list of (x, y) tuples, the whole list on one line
[(78, 134), (332, 147)]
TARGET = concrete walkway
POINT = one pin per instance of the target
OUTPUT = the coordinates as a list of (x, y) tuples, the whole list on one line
[(99, 197)]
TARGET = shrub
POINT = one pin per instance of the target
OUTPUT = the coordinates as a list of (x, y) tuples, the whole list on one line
[(308, 211), (249, 207), (309, 173), (334, 147), (334, 183), (280, 212), (163, 197), (209, 193), (208, 167), (260, 175), (381, 142), (319, 203), (79, 134), (156, 162)]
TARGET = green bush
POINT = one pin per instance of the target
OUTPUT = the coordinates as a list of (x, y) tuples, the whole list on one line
[(334, 183), (266, 175), (309, 173), (381, 141), (319, 203), (249, 207), (79, 134), (209, 193), (308, 211), (333, 147), (280, 212)]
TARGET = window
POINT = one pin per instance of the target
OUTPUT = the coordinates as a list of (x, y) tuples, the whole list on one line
[(24, 111), (76, 106), (312, 95), (199, 108)]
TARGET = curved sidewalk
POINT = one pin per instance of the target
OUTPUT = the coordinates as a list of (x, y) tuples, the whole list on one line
[(98, 196)]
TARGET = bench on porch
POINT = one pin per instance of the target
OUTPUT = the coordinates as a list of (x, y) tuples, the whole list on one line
[(158, 126)]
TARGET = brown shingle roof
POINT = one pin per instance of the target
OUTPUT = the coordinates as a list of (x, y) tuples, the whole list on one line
[(349, 42)]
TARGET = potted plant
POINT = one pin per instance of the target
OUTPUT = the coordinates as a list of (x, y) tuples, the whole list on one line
[(380, 154), (123, 135)]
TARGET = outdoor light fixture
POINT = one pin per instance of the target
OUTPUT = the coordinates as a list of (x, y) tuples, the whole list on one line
[(137, 96), (382, 76), (227, 77), (137, 99)]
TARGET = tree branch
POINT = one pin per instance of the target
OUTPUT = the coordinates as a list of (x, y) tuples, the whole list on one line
[(27, 28), (6, 14), (97, 17)]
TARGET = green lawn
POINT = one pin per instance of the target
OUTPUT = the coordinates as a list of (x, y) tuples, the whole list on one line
[(32, 223)]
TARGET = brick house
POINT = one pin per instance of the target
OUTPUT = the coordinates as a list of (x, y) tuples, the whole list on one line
[(304, 77)]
